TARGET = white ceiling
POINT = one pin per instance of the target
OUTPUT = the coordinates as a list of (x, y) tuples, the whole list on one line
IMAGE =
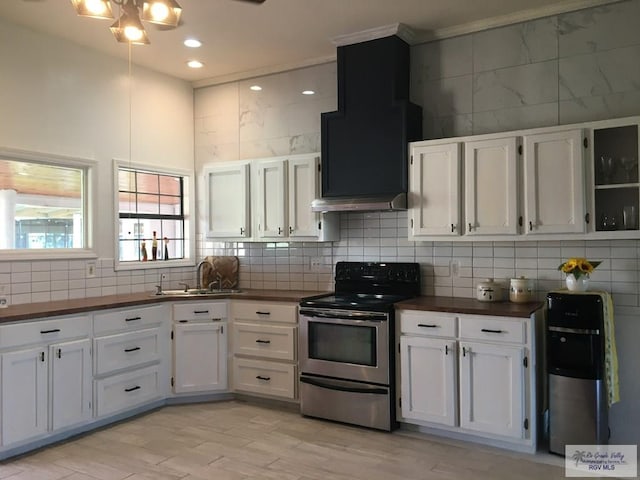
[(242, 40)]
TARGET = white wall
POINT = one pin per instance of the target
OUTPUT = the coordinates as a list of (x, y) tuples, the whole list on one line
[(60, 98)]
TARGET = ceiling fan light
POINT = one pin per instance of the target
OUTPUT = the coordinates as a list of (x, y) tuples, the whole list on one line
[(162, 12), (128, 29), (93, 8)]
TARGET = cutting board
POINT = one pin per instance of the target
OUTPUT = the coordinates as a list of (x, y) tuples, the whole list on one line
[(226, 266)]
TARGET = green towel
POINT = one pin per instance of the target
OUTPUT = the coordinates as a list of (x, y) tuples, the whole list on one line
[(610, 352)]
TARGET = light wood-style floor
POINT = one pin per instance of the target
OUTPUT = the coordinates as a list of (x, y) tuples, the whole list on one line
[(238, 440)]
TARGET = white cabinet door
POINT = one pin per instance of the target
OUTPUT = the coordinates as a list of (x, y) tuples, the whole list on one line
[(428, 378), (434, 191), (303, 189), (554, 183), (71, 385), (492, 392), (227, 190), (200, 357), (271, 200), (24, 394), (491, 194)]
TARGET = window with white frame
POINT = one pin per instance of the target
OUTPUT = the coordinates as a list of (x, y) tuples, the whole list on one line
[(152, 207), (44, 204)]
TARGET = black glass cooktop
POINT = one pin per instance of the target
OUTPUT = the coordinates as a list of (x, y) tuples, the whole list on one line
[(373, 286)]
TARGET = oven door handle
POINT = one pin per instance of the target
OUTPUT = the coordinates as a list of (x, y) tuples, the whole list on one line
[(354, 316), (333, 386)]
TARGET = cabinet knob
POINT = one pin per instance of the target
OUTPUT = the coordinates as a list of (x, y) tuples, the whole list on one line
[(241, 231), (530, 226), (290, 230), (470, 227), (453, 227), (279, 230)]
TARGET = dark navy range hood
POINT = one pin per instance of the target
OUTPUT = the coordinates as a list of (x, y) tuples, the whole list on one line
[(364, 143)]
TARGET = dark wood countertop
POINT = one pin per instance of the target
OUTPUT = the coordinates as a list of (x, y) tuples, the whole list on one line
[(469, 306), (32, 311)]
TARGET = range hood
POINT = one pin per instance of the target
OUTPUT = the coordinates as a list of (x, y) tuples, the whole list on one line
[(364, 144), (360, 204)]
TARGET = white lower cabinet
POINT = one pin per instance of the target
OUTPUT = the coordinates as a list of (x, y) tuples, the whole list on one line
[(429, 389), (46, 377), (199, 347), (131, 358), (492, 393), (265, 348), (200, 363), (117, 393), (267, 378), (469, 375)]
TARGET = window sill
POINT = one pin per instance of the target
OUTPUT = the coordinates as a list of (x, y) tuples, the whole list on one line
[(46, 254), (154, 264)]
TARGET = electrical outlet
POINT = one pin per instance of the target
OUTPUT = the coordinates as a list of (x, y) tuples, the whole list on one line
[(91, 269), (454, 266), (315, 263)]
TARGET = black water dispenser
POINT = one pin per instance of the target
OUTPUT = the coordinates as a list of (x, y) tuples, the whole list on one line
[(578, 412)]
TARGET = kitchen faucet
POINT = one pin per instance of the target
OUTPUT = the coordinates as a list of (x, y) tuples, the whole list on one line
[(199, 274), (218, 281), (159, 287)]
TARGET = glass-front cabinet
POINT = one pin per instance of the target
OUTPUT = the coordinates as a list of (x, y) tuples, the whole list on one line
[(616, 185)]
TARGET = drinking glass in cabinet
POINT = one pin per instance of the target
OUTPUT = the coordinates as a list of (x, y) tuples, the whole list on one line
[(629, 217), (607, 168), (630, 166)]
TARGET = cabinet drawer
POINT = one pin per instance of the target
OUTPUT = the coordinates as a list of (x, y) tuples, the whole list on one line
[(200, 311), (265, 311), (433, 324), (500, 329), (131, 318), (268, 378), (44, 331), (127, 390), (269, 341), (125, 350)]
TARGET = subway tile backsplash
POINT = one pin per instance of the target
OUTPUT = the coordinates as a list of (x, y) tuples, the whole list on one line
[(448, 268)]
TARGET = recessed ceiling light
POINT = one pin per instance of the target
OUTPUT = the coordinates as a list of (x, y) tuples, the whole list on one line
[(192, 43), (308, 92), (195, 64), (255, 88)]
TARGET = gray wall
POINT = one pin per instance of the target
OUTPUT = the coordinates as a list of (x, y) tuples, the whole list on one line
[(575, 67)]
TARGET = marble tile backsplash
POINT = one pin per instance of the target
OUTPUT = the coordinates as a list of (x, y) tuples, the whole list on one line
[(575, 67)]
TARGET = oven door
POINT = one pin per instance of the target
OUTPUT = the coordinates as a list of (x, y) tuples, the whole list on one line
[(345, 344)]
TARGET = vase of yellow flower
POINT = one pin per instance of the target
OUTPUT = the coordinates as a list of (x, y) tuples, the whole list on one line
[(578, 270)]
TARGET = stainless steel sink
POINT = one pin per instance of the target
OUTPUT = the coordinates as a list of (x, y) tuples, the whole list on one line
[(197, 292)]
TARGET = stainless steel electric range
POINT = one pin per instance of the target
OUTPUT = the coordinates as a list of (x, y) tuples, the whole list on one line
[(346, 341)]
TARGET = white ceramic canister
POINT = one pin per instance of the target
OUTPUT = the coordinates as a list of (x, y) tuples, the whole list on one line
[(489, 291), (521, 290)]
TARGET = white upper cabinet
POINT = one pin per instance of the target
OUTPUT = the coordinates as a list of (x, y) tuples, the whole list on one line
[(271, 198), (554, 194), (267, 200), (491, 195), (434, 190), (284, 189), (303, 175), (228, 212), (614, 181)]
